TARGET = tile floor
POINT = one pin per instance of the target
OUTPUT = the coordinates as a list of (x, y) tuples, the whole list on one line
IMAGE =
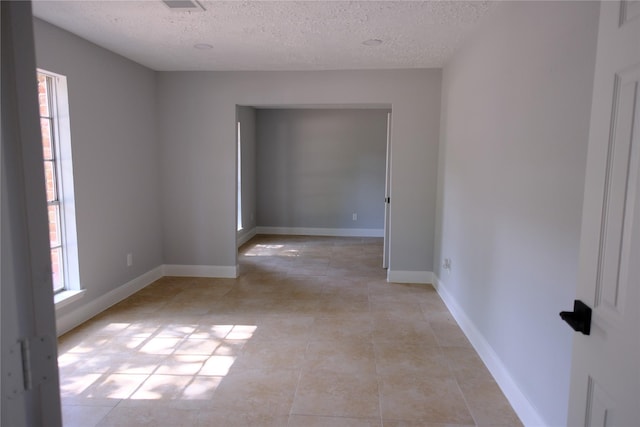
[(311, 334)]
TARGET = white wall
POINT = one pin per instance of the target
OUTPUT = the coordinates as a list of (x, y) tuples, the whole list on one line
[(515, 112), (115, 148), (197, 131), (316, 167)]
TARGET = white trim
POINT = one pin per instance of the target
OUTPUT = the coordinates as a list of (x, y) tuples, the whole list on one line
[(86, 311), (399, 276), (525, 410), (306, 231), (64, 298), (219, 271), (245, 236), (239, 179)]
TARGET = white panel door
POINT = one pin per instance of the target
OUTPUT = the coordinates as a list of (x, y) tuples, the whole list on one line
[(605, 377)]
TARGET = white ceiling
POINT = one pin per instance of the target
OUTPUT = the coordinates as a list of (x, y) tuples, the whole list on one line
[(272, 35)]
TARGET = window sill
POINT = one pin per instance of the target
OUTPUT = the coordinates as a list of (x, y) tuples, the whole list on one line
[(67, 297)]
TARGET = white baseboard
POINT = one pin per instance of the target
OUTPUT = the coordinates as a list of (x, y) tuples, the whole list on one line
[(399, 276), (221, 271), (84, 312), (245, 236), (525, 410), (305, 231)]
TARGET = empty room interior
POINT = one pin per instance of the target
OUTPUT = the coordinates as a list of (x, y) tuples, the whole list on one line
[(312, 213)]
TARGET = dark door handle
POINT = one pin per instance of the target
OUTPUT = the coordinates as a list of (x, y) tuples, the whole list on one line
[(580, 318)]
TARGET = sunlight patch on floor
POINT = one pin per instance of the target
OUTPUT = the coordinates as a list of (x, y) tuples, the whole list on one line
[(172, 361)]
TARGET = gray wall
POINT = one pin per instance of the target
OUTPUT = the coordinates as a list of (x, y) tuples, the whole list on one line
[(115, 147), (316, 167), (247, 118), (197, 113), (515, 121)]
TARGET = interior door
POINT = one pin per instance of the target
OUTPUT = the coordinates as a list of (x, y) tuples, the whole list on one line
[(29, 374), (605, 377), (387, 197)]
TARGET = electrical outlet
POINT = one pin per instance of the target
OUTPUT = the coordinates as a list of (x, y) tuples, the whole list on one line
[(129, 259), (354, 216), (446, 264)]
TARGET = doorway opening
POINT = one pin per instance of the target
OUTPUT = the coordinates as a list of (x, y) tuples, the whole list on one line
[(314, 171)]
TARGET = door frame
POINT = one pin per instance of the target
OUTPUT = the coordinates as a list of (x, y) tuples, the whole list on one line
[(386, 228), (387, 196)]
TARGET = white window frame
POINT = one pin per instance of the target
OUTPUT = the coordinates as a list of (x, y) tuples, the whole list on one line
[(61, 133)]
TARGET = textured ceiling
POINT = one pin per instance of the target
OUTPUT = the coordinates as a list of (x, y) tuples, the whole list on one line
[(272, 35)]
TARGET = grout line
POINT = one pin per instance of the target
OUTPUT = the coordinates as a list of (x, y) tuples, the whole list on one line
[(361, 280), (295, 392)]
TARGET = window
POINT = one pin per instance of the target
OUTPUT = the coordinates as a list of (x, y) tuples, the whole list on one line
[(56, 150)]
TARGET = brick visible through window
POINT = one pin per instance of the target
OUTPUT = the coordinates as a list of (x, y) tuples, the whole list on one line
[(52, 178)]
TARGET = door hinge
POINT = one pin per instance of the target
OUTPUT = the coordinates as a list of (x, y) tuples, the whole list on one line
[(31, 362), (387, 199)]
